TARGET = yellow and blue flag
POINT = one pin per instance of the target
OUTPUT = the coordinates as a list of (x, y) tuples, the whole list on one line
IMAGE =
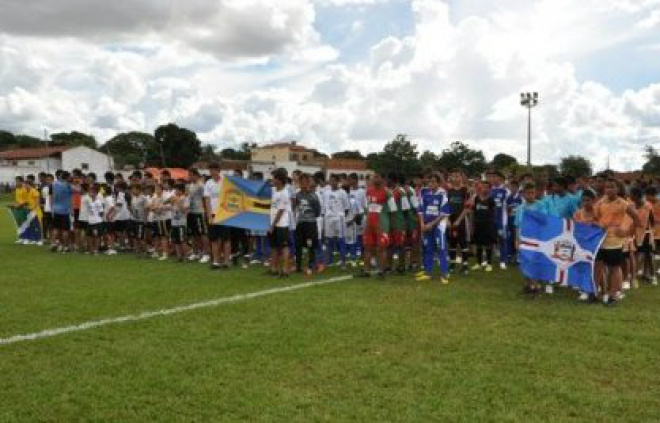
[(27, 223), (244, 204), (559, 250)]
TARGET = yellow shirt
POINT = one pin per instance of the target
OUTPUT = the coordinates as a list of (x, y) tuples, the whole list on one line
[(33, 201), (21, 196)]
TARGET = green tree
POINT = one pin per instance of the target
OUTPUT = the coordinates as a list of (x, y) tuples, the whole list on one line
[(7, 140), (135, 149), (460, 156), (575, 166), (27, 141), (399, 156), (209, 154), (428, 160), (178, 147), (348, 154), (652, 165), (74, 139), (547, 171), (503, 161)]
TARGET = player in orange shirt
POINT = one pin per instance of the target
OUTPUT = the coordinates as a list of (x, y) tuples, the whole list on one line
[(610, 214)]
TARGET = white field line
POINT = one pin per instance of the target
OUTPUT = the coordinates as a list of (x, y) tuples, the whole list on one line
[(165, 312)]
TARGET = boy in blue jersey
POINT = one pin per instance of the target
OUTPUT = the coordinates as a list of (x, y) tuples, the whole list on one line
[(560, 202), (514, 201), (529, 203), (500, 196), (433, 212)]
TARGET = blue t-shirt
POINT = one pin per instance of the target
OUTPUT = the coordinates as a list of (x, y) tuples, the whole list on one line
[(434, 205), (62, 193), (501, 196), (561, 206), (514, 201)]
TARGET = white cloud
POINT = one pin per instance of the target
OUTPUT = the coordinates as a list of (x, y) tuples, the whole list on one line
[(445, 80)]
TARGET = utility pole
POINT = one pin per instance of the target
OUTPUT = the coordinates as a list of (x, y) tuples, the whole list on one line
[(529, 100)]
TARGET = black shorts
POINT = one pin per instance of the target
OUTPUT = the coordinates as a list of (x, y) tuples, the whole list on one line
[(178, 235), (279, 238), (76, 219), (95, 230), (484, 233), (121, 225), (83, 225), (458, 236), (162, 228), (307, 235), (47, 221), (219, 233), (197, 224), (646, 247), (62, 222), (611, 257), (137, 230)]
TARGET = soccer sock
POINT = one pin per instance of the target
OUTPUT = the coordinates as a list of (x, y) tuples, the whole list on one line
[(342, 250), (444, 262), (480, 254), (489, 254)]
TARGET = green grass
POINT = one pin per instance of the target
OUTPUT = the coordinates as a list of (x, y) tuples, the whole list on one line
[(354, 351)]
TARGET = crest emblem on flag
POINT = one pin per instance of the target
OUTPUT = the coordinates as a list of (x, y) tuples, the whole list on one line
[(244, 204)]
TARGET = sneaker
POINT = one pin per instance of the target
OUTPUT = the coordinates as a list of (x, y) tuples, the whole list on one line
[(549, 290), (40, 243), (605, 299), (444, 280), (423, 278), (111, 252), (163, 257), (503, 266), (476, 267), (626, 286), (583, 297), (488, 268), (255, 261), (193, 257), (420, 273), (205, 259), (244, 265)]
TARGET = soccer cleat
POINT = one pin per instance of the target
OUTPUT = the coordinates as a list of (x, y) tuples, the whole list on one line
[(583, 297), (205, 259), (111, 252), (420, 273), (163, 257), (40, 243), (626, 285), (654, 280), (503, 266), (423, 278), (488, 268), (216, 266), (476, 267), (444, 280), (549, 290)]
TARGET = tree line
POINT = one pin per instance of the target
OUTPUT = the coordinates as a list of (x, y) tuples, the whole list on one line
[(174, 146)]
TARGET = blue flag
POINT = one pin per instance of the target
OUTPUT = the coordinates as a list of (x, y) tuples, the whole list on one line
[(559, 250), (27, 224)]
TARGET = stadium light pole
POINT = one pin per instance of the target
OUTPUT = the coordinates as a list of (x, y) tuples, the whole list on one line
[(529, 100)]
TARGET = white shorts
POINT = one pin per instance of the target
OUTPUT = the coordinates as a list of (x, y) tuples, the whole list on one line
[(335, 227), (351, 233)]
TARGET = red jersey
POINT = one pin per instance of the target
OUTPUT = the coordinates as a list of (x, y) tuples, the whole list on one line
[(378, 208)]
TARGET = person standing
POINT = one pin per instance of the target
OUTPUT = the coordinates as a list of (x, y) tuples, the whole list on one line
[(62, 198)]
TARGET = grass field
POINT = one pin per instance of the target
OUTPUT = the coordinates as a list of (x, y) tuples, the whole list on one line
[(351, 351)]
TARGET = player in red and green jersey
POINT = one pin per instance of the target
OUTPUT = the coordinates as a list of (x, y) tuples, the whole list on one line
[(398, 224), (380, 206)]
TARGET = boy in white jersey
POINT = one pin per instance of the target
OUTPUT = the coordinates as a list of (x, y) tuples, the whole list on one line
[(180, 204), (162, 223), (336, 207), (109, 220), (94, 206), (123, 214), (280, 215), (139, 217)]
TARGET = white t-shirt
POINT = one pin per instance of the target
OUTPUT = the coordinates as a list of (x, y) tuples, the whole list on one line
[(360, 197), (281, 201), (212, 192), (121, 207), (94, 209), (336, 203), (83, 216), (168, 208), (109, 204), (45, 194)]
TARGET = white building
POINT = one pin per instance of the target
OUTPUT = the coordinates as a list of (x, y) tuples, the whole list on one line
[(28, 161)]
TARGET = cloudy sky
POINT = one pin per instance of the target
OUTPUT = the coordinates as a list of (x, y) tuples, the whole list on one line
[(341, 74)]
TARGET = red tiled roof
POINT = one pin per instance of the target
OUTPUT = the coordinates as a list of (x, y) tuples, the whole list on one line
[(347, 164), (289, 145), (175, 173), (32, 153)]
